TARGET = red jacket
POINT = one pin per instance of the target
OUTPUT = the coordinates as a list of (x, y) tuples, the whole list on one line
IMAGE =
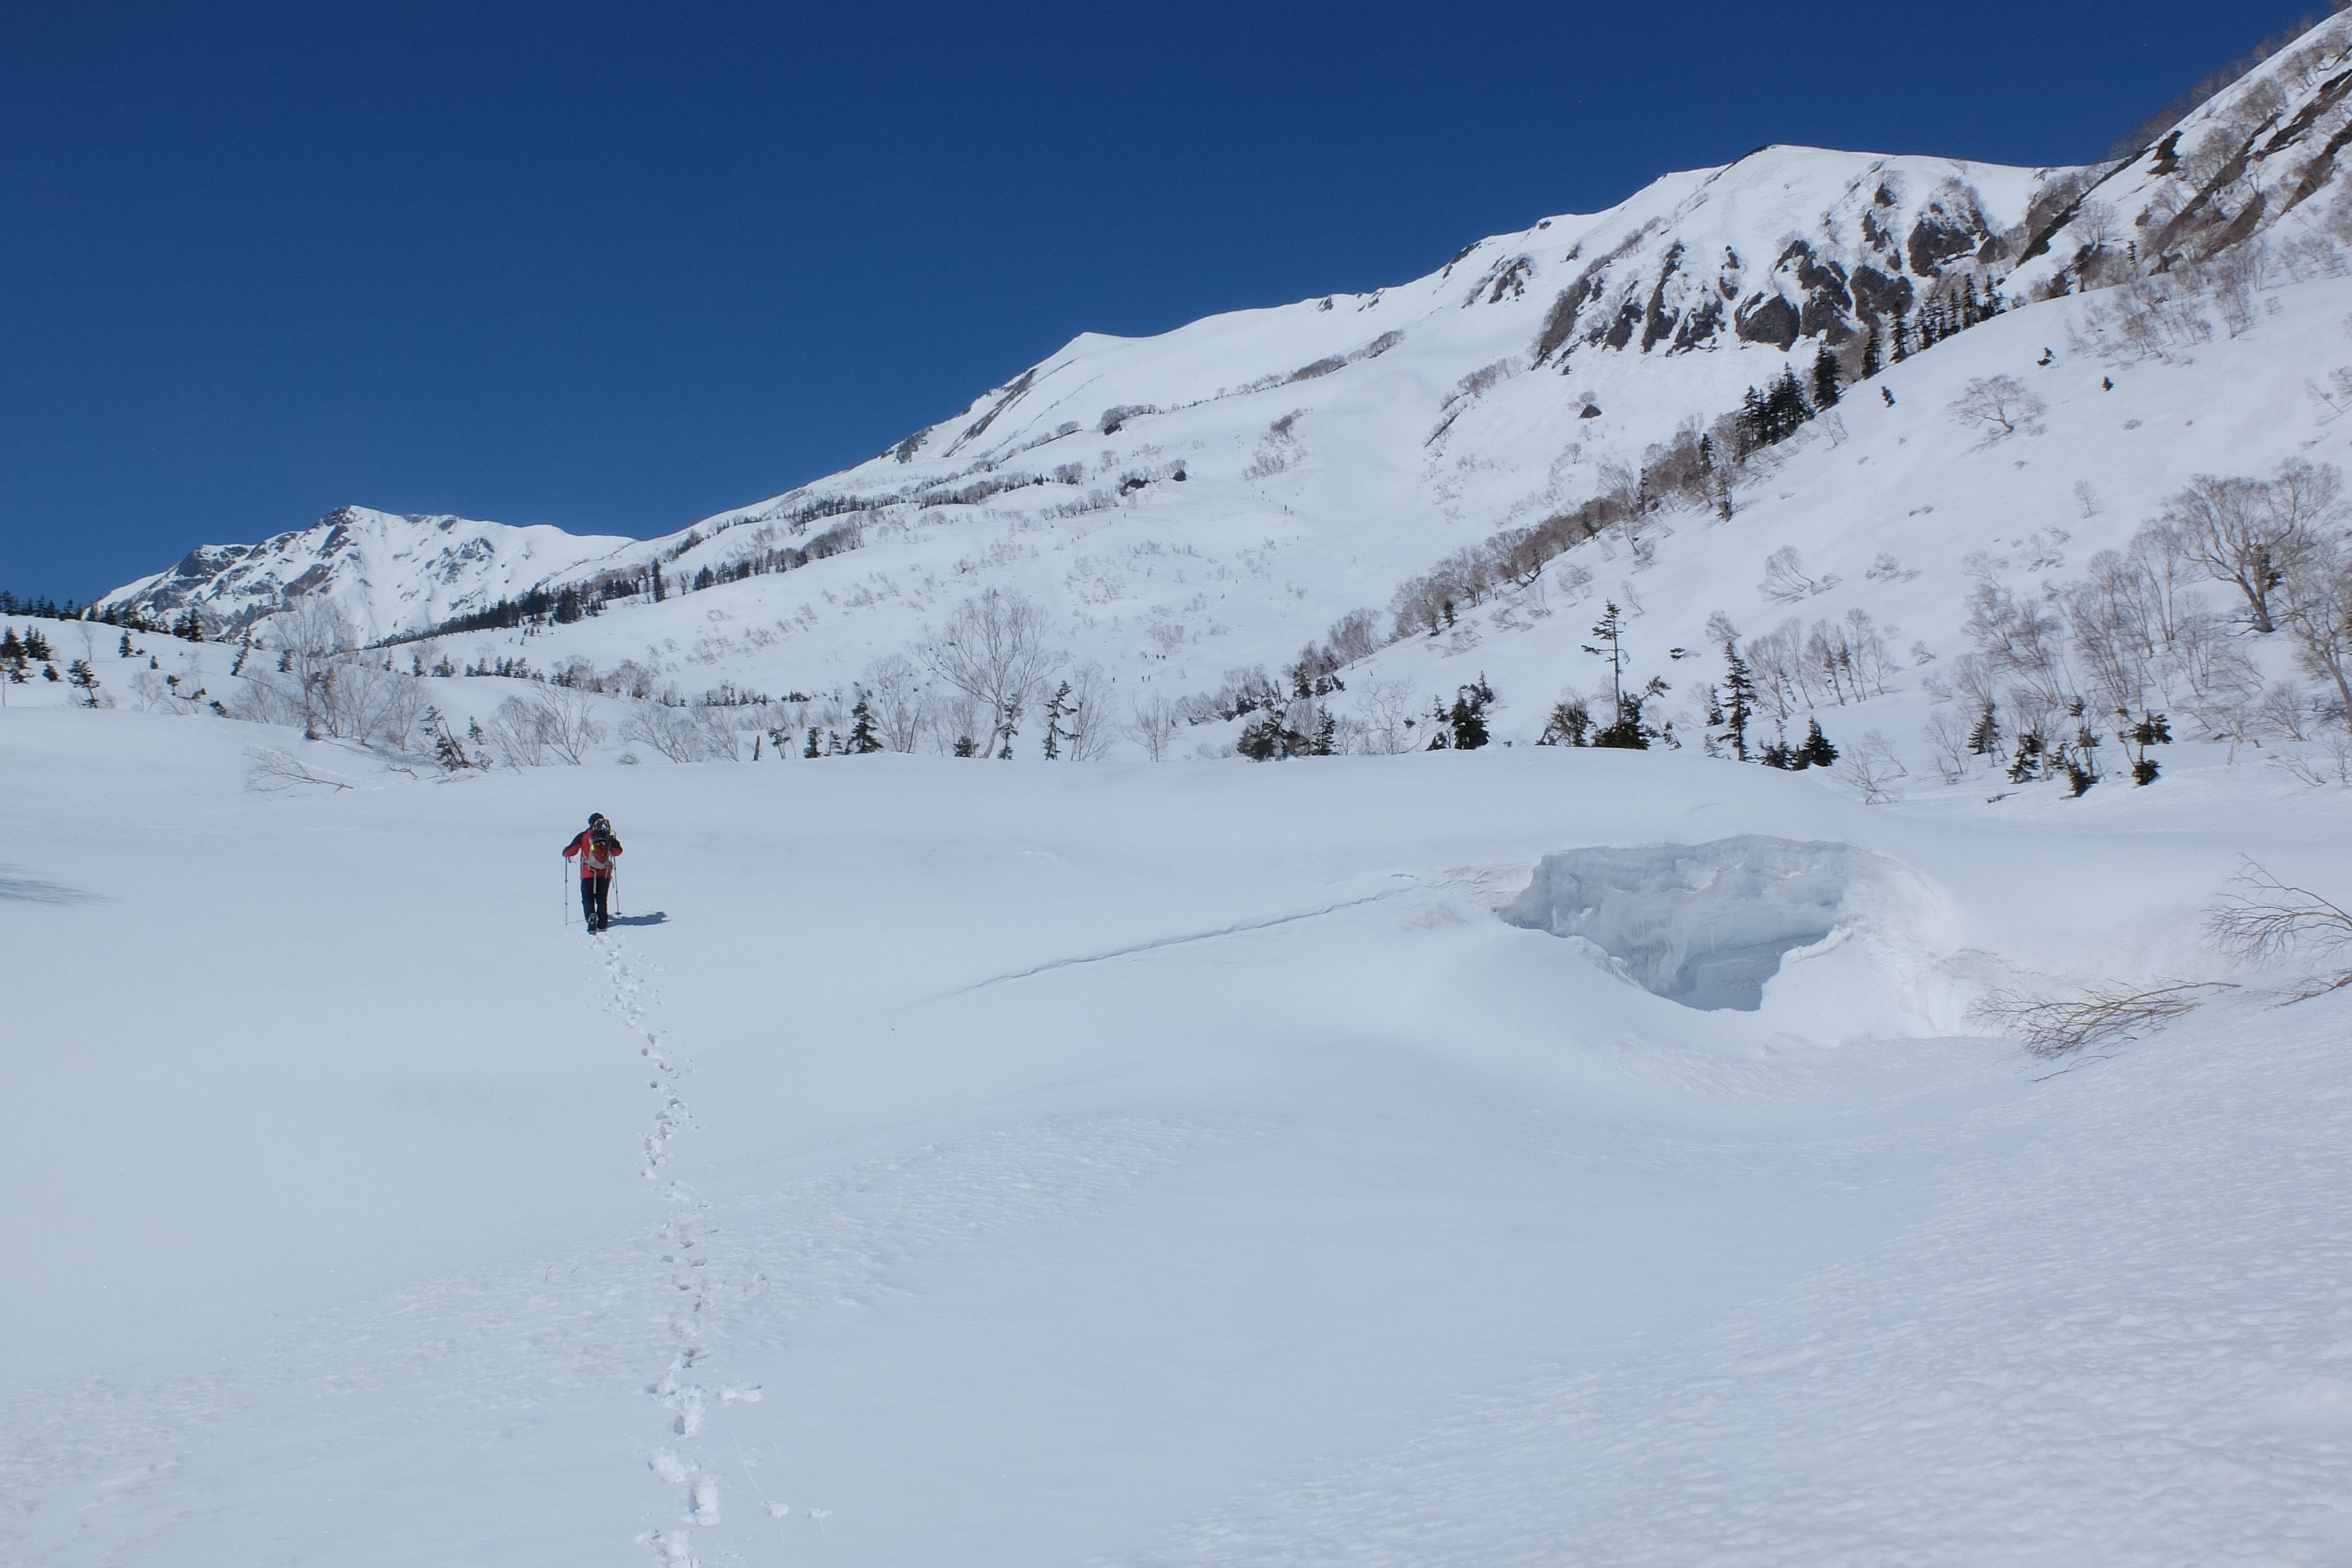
[(595, 860)]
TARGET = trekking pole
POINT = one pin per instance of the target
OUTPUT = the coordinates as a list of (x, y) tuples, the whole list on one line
[(563, 894)]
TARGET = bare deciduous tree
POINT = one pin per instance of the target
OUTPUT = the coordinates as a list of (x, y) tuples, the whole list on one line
[(1998, 405), (896, 698), (2329, 762), (1389, 712), (1153, 723), (683, 734), (1785, 582), (1355, 635), (269, 769), (2318, 602), (993, 650), (1872, 767), (2249, 532), (2234, 277), (1085, 715), (547, 723), (1948, 745), (313, 635), (2108, 1015), (2263, 920)]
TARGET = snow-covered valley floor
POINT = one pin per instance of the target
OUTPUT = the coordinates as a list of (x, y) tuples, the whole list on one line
[(946, 1161)]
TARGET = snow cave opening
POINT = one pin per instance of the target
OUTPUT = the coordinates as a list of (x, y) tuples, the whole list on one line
[(1702, 924)]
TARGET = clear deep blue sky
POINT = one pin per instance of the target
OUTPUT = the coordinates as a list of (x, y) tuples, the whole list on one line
[(617, 267)]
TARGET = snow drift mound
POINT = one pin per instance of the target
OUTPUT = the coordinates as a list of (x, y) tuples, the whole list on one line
[(1708, 925)]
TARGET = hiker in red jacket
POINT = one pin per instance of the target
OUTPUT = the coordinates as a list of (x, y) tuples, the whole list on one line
[(597, 850)]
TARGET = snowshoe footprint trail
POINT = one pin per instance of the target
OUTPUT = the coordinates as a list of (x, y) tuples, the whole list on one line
[(681, 1244)]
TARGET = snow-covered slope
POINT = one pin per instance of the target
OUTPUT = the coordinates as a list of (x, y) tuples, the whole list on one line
[(1645, 310), (1144, 1165), (2264, 157), (1213, 498)]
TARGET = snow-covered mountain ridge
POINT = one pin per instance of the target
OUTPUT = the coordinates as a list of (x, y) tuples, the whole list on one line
[(388, 573), (1187, 508), (1788, 245)]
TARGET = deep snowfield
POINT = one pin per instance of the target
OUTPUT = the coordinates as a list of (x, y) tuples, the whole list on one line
[(953, 1162)]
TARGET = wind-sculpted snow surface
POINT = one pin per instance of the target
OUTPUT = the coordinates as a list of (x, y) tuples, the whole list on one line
[(2119, 1339), (1233, 1188)]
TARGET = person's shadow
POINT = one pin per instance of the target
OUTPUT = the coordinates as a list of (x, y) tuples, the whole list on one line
[(655, 918)]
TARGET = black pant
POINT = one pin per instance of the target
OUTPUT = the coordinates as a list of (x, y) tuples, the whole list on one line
[(594, 892)]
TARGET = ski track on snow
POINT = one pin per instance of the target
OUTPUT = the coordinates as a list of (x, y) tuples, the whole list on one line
[(1163, 943), (94, 1466)]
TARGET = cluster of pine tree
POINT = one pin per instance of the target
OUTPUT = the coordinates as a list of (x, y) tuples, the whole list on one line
[(1731, 710), (2073, 760), (1769, 415), (1813, 751), (449, 749), (1463, 726), (19, 654), (1948, 315), (1270, 739), (1628, 727)]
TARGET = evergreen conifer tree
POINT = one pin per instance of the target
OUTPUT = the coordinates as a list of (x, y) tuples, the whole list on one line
[(1738, 705), (1984, 740), (1268, 739), (813, 749), (1467, 717), (1754, 421), (2151, 731), (1326, 736), (1610, 630), (83, 679), (1825, 380), (446, 747), (1570, 723), (862, 740), (1789, 409), (1873, 351), (1057, 706), (1817, 751), (1626, 732)]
